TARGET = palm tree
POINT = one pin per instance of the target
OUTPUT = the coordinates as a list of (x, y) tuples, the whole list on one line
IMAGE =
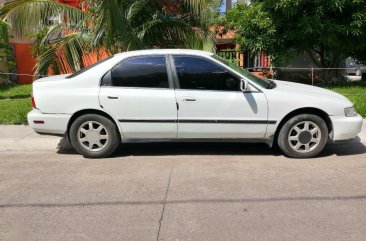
[(111, 26)]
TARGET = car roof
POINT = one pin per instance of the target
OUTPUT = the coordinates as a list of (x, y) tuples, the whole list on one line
[(164, 51)]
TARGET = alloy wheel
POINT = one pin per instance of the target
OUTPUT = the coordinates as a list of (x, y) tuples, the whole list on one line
[(304, 137), (93, 136)]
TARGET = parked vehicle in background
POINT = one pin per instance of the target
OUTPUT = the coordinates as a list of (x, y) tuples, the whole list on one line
[(186, 95), (362, 66), (354, 70)]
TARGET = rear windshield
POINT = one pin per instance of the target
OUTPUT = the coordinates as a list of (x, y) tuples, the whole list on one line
[(87, 68)]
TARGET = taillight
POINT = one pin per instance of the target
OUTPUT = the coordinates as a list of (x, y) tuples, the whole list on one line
[(33, 103)]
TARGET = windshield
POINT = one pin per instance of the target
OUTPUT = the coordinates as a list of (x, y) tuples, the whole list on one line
[(261, 82)]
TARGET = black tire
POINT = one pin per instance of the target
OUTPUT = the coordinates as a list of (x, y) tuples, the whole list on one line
[(302, 147), (109, 136)]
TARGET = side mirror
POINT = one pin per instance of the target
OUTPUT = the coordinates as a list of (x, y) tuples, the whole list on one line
[(244, 86)]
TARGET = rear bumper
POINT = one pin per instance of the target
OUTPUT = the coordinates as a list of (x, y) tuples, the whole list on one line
[(55, 124), (346, 128)]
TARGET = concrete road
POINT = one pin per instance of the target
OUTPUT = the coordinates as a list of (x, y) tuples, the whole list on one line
[(176, 192)]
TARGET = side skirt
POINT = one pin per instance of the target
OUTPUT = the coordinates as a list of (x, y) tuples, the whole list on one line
[(269, 142)]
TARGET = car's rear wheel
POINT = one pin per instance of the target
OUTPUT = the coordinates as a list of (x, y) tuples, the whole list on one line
[(94, 136), (303, 136)]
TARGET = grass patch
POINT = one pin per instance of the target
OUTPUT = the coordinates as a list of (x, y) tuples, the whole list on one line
[(15, 104), (15, 91), (14, 111), (355, 92)]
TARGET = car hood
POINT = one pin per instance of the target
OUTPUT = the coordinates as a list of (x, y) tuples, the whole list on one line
[(308, 90)]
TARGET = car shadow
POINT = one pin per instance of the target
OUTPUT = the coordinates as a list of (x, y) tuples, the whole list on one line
[(355, 147), (194, 148)]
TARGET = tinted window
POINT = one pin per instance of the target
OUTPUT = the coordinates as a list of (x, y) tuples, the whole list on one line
[(259, 81), (107, 79), (200, 73), (147, 72)]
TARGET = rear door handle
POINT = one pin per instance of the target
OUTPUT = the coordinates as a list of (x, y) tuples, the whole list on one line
[(112, 97)]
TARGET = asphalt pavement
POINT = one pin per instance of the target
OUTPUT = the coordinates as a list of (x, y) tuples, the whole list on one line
[(179, 191)]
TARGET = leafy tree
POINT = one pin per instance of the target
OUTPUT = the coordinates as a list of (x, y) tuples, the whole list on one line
[(109, 25), (327, 31), (5, 50)]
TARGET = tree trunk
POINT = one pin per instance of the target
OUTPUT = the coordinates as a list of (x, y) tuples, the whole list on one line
[(321, 60), (228, 5)]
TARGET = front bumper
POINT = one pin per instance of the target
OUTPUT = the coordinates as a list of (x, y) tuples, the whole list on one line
[(353, 78), (346, 128), (55, 124)]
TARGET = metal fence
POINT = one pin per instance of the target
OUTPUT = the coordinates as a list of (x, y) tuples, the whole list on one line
[(306, 75), (235, 56), (311, 75)]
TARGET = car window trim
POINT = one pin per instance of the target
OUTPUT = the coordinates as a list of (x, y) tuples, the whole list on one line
[(173, 70), (167, 66), (212, 60), (143, 88), (169, 72)]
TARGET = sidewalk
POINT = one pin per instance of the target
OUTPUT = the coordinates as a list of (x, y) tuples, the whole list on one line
[(23, 138)]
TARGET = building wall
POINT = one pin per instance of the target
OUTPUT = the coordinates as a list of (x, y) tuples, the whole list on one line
[(73, 3), (25, 61)]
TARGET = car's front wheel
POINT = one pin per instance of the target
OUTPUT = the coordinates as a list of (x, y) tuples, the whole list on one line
[(94, 136), (303, 136)]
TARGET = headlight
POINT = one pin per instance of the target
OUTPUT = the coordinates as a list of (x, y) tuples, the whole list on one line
[(350, 112)]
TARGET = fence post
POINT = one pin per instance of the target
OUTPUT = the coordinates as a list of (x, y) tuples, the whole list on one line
[(312, 75)]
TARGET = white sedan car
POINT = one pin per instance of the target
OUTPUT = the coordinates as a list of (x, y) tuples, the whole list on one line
[(186, 95)]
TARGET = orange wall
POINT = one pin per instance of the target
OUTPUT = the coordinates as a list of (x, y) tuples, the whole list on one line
[(88, 59), (24, 59), (73, 3), (25, 62)]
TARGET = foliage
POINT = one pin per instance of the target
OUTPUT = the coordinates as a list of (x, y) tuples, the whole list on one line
[(326, 30), (25, 16), (109, 25), (5, 49), (230, 55)]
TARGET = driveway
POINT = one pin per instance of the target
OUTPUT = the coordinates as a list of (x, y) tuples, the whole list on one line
[(176, 192)]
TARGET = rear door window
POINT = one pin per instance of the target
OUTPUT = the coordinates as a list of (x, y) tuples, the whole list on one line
[(141, 72)]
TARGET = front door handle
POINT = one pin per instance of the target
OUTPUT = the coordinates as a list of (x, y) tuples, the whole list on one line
[(188, 99), (112, 97)]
